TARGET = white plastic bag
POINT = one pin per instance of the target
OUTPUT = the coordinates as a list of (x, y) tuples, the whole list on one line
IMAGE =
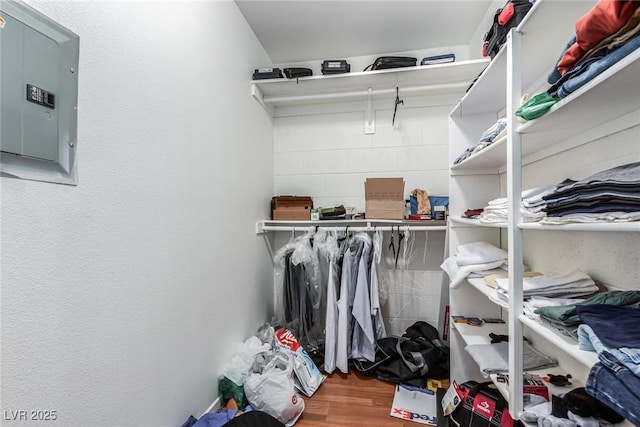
[(243, 359), (307, 374), (269, 388)]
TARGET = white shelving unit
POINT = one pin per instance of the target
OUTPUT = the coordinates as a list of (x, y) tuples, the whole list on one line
[(532, 152), (587, 358), (567, 123), (440, 79)]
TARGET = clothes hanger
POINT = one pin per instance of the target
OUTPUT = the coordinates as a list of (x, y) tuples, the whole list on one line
[(400, 238), (392, 246)]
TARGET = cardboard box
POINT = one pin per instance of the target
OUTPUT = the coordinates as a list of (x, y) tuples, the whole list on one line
[(384, 198), (414, 404), (288, 208)]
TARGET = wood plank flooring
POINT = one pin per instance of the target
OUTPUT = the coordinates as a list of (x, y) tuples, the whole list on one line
[(351, 400)]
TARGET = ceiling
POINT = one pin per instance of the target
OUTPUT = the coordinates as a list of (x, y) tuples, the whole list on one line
[(301, 30)]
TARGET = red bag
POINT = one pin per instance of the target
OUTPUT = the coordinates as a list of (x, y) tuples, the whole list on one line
[(482, 406)]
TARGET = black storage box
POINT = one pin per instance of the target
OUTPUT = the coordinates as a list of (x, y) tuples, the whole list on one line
[(296, 72), (267, 73), (335, 66), (386, 62)]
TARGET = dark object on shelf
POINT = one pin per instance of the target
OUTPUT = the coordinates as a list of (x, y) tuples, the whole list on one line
[(336, 212), (438, 59), (585, 405), (335, 66), (296, 72), (495, 338), (559, 380), (386, 62), (267, 73), (474, 321), (505, 18)]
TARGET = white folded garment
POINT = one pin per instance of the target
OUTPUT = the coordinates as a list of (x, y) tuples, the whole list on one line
[(592, 217), (458, 273), (571, 279), (478, 253), (472, 258)]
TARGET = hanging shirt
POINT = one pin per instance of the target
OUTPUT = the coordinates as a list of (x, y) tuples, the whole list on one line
[(376, 313), (344, 314), (331, 330), (363, 343)]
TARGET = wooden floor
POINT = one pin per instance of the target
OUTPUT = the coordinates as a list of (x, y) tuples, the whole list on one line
[(351, 400)]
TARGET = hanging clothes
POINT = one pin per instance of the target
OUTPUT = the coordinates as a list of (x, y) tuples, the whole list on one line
[(301, 292), (376, 312), (330, 295), (363, 342), (347, 283)]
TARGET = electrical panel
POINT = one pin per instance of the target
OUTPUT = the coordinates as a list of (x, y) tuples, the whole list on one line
[(38, 95)]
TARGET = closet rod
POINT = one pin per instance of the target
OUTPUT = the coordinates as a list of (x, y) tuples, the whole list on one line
[(364, 93), (356, 228)]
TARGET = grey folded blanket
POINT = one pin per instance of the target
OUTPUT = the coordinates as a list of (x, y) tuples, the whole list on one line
[(494, 358)]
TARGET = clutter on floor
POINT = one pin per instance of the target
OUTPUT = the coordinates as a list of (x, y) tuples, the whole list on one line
[(270, 370)]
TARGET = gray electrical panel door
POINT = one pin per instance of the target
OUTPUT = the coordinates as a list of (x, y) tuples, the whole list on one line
[(38, 95)]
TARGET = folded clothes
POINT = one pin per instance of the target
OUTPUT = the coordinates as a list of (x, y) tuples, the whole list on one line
[(620, 177), (478, 253), (534, 302), (490, 280), (458, 273), (531, 208), (588, 340), (591, 218), (537, 285), (494, 358), (551, 421), (470, 258), (605, 319), (569, 313), (564, 328)]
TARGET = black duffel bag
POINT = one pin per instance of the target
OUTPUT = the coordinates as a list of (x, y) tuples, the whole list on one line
[(504, 19), (414, 357), (386, 62)]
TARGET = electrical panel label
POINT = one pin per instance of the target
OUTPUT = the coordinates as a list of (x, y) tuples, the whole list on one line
[(40, 96)]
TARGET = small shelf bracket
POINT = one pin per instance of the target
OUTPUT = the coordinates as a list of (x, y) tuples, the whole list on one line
[(256, 93), (370, 115)]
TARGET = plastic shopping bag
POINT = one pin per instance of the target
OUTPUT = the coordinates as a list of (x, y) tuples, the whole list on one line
[(243, 359), (269, 387), (308, 377)]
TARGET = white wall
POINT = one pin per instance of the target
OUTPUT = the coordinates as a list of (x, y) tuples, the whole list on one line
[(124, 297), (328, 156)]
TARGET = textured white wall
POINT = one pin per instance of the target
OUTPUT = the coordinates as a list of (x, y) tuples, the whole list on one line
[(124, 297), (328, 156)]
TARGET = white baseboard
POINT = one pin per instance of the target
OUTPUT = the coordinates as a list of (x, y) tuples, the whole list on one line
[(214, 407)]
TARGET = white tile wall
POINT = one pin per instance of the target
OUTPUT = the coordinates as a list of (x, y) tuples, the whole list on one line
[(413, 295), (328, 156)]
